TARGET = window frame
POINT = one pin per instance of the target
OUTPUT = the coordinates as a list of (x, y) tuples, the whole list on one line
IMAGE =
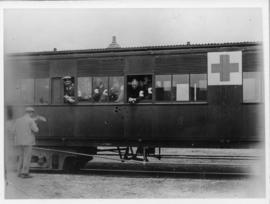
[(49, 91), (34, 91), (152, 101), (206, 79), (81, 103), (182, 102), (112, 102), (19, 101), (77, 89), (154, 90)]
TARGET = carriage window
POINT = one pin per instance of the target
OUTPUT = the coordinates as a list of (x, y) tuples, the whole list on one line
[(252, 87), (84, 89), (139, 88), (198, 87), (116, 89), (163, 87), (42, 91), (13, 92), (180, 87), (27, 91), (100, 89)]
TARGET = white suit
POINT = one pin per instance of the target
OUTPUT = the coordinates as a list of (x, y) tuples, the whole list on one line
[(24, 130)]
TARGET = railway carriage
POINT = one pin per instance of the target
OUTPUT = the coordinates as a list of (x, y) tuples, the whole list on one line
[(203, 95)]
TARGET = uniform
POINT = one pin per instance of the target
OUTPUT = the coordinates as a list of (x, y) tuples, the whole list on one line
[(134, 94)]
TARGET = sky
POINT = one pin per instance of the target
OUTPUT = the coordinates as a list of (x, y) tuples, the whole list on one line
[(78, 28)]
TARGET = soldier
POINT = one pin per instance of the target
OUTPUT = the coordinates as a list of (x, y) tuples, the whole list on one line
[(69, 95), (24, 131)]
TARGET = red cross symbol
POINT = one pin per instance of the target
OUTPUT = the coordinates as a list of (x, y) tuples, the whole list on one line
[(225, 68)]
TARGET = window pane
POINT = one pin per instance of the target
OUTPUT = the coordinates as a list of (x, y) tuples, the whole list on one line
[(42, 91), (163, 87), (181, 87), (27, 91), (84, 88), (198, 87), (100, 89), (116, 89), (252, 87)]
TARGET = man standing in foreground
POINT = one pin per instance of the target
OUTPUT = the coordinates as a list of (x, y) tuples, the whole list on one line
[(25, 129)]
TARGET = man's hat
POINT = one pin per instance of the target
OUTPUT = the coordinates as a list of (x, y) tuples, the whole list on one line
[(66, 78), (29, 109)]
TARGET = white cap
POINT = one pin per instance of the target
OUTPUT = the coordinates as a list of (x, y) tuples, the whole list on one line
[(29, 109), (66, 77)]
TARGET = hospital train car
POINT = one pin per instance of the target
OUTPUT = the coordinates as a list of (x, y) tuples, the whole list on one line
[(201, 95)]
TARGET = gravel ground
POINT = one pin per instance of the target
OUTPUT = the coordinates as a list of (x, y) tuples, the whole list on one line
[(111, 186), (141, 186)]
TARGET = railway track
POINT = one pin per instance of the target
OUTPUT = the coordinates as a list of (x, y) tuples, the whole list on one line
[(190, 156), (148, 173), (188, 164), (193, 169)]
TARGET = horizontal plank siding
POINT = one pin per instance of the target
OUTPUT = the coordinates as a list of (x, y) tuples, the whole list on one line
[(178, 64), (28, 69), (139, 64), (252, 61), (108, 66), (60, 68)]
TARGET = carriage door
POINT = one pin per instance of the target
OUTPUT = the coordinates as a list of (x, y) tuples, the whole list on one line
[(225, 95)]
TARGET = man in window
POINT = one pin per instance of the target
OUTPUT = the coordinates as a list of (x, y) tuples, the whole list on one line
[(135, 93), (69, 93)]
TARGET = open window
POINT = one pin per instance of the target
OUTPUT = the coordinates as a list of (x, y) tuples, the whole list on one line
[(139, 88), (63, 90), (69, 89)]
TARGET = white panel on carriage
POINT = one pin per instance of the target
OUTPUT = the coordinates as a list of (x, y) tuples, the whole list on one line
[(182, 92)]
